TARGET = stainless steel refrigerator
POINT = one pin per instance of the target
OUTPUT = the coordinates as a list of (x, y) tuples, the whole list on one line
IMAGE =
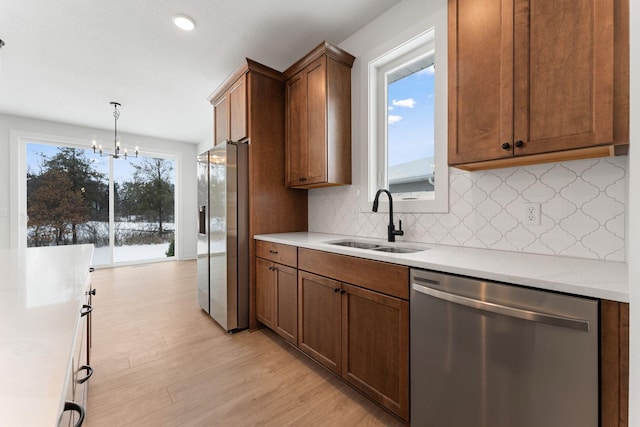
[(223, 235)]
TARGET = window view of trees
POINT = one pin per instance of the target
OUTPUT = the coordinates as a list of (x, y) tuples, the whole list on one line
[(65, 197), (68, 202), (144, 206)]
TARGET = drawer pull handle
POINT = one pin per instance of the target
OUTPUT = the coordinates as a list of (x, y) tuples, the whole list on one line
[(73, 406), (89, 370), (273, 252), (86, 309)]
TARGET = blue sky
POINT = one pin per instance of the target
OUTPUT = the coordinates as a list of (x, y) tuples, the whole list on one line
[(410, 117)]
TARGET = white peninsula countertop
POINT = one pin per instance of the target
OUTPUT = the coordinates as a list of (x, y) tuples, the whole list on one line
[(591, 278), (41, 295)]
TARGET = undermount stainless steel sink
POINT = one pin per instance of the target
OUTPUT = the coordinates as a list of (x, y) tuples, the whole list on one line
[(396, 249), (376, 247), (359, 245)]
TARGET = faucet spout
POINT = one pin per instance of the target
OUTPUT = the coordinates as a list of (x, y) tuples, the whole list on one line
[(391, 228)]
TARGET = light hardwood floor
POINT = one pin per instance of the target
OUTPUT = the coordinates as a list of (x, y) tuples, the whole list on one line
[(161, 361)]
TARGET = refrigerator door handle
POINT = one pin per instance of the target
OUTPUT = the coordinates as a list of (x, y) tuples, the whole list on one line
[(202, 220)]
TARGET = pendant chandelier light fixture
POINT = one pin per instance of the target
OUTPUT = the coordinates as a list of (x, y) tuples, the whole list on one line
[(116, 138)]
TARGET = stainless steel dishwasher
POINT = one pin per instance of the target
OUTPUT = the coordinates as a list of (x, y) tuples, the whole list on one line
[(493, 355)]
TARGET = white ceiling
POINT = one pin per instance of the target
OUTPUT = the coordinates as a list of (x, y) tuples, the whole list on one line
[(65, 60)]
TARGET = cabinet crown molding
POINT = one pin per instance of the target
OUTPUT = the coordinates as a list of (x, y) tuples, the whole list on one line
[(246, 66), (324, 48)]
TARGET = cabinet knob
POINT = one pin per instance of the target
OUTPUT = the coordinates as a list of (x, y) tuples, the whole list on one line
[(506, 146), (86, 309), (336, 290), (519, 144), (342, 292)]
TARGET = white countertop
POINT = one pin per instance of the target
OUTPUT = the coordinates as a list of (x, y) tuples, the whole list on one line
[(592, 278), (41, 294)]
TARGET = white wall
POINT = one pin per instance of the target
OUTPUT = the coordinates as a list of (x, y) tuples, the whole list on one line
[(185, 179), (633, 235)]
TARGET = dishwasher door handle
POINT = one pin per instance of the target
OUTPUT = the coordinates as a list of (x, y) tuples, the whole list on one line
[(534, 316)]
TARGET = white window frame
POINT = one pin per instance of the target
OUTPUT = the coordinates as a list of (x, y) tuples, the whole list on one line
[(420, 46)]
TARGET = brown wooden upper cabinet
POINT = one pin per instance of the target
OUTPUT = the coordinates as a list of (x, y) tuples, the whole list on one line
[(533, 81), (318, 119), (230, 113)]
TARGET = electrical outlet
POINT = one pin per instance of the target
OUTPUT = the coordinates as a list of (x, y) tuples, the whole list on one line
[(531, 214), (355, 212)]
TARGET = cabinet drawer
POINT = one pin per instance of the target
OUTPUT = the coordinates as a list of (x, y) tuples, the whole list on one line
[(390, 279), (276, 252)]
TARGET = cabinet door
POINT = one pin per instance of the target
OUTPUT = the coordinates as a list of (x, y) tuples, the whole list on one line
[(563, 74), (480, 80), (375, 347), (319, 319), (265, 292), (296, 130), (238, 110), (316, 164), (286, 321), (221, 120)]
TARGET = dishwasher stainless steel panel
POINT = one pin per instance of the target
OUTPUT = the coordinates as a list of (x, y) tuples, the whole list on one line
[(493, 355)]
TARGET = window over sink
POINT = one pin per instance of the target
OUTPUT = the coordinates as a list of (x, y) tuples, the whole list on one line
[(407, 113)]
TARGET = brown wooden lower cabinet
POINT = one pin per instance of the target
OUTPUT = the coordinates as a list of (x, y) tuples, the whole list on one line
[(375, 346), (359, 334), (265, 293), (287, 303), (319, 319), (277, 298), (614, 364)]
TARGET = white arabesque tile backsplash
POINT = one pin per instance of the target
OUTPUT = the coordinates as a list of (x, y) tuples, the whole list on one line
[(582, 210)]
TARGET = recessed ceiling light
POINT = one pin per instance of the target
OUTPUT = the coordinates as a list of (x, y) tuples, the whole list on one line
[(184, 22)]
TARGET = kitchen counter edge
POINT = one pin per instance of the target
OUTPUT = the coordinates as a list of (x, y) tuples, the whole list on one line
[(577, 276)]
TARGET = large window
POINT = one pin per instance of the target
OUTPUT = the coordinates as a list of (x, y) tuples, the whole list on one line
[(407, 133), (124, 207)]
